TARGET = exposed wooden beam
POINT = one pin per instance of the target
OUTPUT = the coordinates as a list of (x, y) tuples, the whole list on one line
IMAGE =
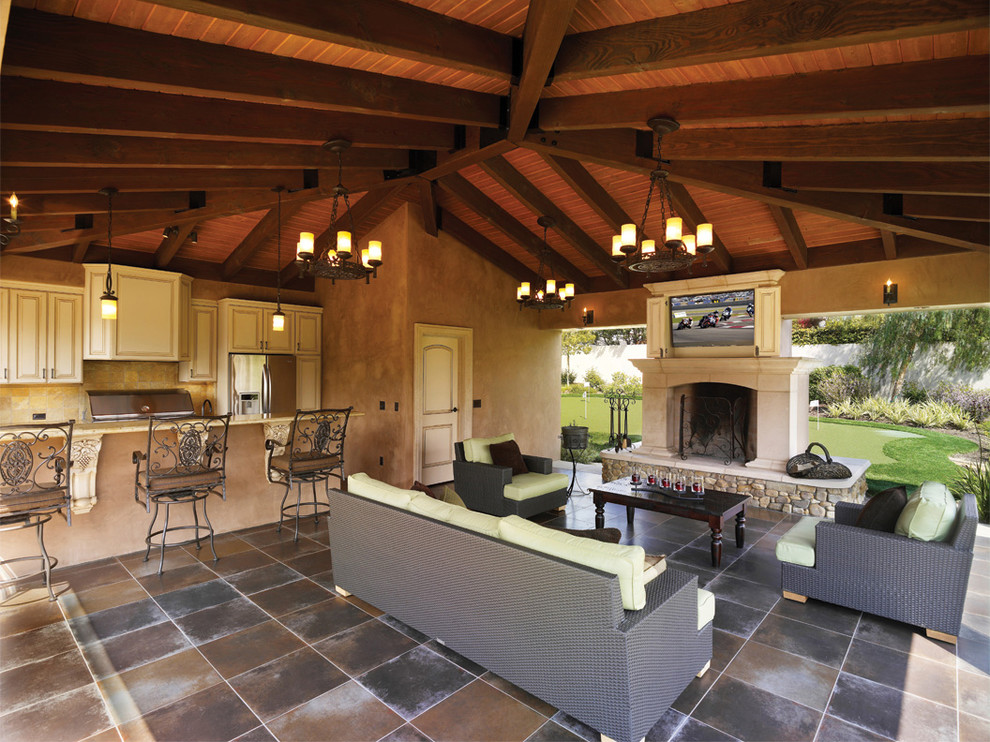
[(56, 47), (466, 157), (67, 204), (459, 187), (381, 26), (238, 203), (484, 247), (940, 141), (428, 205), (546, 24), (746, 181), (35, 148), (791, 232), (950, 179), (956, 85), (357, 214), (45, 105), (79, 251), (757, 28), (533, 198), (956, 208), (170, 245), (90, 180), (253, 240), (590, 190), (846, 253), (889, 240), (692, 215)]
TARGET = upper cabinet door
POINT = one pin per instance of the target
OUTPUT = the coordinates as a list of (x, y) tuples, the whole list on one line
[(244, 329), (98, 333), (65, 338), (202, 365), (29, 341), (4, 336), (147, 316), (279, 342), (308, 336)]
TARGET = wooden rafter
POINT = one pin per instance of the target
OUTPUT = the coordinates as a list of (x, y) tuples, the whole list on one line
[(57, 204), (757, 28), (583, 183), (956, 208), (950, 179), (79, 251), (546, 23), (459, 187), (889, 240), (533, 199), (253, 240), (382, 26), (55, 47), (949, 85), (357, 214), (791, 233), (170, 245), (428, 205), (692, 215), (485, 247)]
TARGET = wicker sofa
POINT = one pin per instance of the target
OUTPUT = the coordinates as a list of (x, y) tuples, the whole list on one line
[(553, 627), (922, 583)]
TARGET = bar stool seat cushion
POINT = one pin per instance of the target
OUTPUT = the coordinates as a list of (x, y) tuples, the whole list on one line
[(285, 463), (197, 480), (17, 504)]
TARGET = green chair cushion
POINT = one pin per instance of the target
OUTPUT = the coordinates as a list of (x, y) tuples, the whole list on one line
[(531, 484), (706, 608), (363, 485), (797, 546), (626, 562), (929, 514), (476, 449)]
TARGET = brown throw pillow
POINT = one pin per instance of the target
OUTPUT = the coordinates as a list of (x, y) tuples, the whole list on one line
[(420, 487), (882, 510), (608, 535), (508, 454)]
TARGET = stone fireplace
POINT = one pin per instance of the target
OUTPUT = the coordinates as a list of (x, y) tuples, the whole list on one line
[(741, 441)]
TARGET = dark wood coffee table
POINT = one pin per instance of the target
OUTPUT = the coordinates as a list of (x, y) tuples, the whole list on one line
[(714, 508)]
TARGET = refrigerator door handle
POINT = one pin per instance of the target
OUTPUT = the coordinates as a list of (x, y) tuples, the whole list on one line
[(266, 399)]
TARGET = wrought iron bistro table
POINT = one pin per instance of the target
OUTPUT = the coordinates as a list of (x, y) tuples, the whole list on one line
[(713, 507)]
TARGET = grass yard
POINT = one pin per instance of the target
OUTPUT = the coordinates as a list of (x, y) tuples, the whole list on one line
[(899, 454), (572, 411)]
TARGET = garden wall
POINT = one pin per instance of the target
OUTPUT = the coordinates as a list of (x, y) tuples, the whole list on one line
[(606, 360)]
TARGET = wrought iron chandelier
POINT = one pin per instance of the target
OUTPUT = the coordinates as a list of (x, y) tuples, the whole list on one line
[(338, 263), (547, 295), (679, 250)]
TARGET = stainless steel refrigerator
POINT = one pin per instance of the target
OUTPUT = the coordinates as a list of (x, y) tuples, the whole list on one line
[(262, 384)]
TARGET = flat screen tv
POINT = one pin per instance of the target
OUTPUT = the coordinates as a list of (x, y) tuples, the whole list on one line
[(713, 320)]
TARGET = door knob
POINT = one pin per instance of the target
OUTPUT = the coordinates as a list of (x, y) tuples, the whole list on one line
[(454, 410)]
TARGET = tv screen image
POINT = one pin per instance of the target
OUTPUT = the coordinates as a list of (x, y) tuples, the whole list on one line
[(712, 320)]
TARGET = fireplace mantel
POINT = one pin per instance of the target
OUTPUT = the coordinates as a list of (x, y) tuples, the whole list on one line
[(781, 386)]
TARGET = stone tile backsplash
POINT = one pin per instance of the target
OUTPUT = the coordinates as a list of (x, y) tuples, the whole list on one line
[(19, 402)]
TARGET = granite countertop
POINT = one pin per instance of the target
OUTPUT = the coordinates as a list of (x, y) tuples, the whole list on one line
[(136, 426)]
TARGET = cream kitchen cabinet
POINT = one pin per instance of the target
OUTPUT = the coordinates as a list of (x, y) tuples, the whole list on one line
[(202, 363), (246, 327), (151, 308), (4, 336), (309, 335), (308, 382), (44, 335)]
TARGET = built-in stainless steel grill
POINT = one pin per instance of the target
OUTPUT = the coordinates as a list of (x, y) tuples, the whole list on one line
[(117, 405)]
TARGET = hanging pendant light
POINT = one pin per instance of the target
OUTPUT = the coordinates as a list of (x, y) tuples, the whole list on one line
[(548, 294), (339, 262), (278, 317), (678, 250), (108, 302)]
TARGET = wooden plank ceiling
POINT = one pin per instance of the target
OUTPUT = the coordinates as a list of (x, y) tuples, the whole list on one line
[(488, 114)]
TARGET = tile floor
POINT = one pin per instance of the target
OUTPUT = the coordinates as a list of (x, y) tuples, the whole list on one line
[(258, 647)]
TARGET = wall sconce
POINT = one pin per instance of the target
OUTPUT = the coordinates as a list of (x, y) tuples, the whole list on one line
[(588, 317), (889, 293), (170, 232), (193, 238)]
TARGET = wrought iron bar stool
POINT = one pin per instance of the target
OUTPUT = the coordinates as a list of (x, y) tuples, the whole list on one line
[(35, 464), (184, 464), (313, 452)]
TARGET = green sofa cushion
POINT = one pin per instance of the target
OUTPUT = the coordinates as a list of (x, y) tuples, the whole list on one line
[(531, 484), (363, 485), (472, 520), (476, 449), (425, 505), (797, 546), (706, 608), (929, 514), (626, 562)]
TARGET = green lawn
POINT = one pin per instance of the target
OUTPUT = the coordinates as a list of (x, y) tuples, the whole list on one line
[(899, 454), (572, 412)]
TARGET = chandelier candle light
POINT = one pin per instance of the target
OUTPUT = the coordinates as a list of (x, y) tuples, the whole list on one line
[(548, 295), (338, 263), (679, 250)]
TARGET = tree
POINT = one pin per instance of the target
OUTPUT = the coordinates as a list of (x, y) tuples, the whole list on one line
[(575, 342), (890, 351), (627, 335)]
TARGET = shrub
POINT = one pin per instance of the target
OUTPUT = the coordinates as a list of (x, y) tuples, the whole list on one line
[(975, 479), (975, 403), (568, 377), (846, 408), (914, 393), (623, 385), (594, 379), (830, 384), (573, 390), (837, 331)]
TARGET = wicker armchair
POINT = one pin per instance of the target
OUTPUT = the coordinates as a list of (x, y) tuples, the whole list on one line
[(922, 583), (482, 486)]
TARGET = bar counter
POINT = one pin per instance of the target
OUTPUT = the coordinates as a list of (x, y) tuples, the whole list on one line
[(106, 520)]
